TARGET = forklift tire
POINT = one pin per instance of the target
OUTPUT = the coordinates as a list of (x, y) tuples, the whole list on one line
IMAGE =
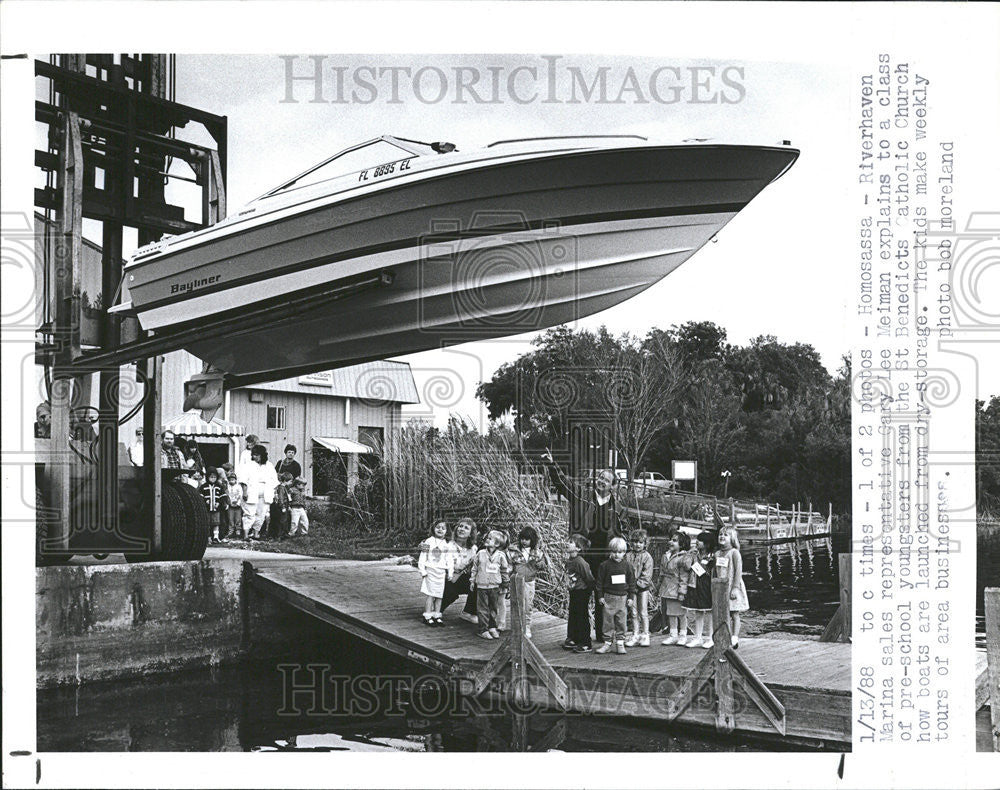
[(173, 532), (196, 523)]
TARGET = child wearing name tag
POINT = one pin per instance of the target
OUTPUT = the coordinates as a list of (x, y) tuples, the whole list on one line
[(698, 601), (675, 569), (490, 576), (436, 564), (642, 566), (615, 584), (729, 566)]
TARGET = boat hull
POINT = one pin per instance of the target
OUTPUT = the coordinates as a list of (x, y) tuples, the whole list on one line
[(486, 252)]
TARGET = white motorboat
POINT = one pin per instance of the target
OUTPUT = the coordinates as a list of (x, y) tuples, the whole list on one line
[(430, 247)]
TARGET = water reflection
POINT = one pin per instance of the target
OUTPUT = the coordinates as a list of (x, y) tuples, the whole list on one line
[(244, 709), (793, 587)]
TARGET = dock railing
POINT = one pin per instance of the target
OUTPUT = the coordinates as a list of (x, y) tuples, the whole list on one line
[(766, 520)]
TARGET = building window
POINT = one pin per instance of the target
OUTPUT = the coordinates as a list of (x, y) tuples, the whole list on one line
[(276, 418)]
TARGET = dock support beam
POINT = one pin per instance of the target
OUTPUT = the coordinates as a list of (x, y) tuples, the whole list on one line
[(720, 666), (839, 627), (515, 648)]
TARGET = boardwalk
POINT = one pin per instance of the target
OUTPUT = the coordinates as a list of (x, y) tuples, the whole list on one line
[(380, 603)]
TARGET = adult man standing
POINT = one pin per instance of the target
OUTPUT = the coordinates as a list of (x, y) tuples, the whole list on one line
[(288, 463), (170, 456), (601, 521)]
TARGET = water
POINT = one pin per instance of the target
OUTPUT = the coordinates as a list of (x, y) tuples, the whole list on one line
[(793, 592), (793, 587), (248, 708)]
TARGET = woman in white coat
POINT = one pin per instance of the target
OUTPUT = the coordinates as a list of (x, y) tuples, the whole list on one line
[(259, 479)]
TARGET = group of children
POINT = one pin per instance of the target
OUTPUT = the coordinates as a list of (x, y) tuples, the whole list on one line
[(454, 564), (225, 499)]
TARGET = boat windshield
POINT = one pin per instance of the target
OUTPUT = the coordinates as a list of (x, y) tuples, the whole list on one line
[(363, 156)]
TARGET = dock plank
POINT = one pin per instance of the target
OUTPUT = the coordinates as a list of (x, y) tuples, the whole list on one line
[(381, 603)]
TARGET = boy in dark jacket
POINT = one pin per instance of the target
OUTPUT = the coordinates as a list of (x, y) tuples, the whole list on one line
[(614, 585), (581, 582), (214, 494), (281, 516)]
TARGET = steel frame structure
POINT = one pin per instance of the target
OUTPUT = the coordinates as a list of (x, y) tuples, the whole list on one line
[(111, 138)]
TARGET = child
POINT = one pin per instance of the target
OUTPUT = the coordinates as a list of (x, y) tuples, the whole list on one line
[(463, 548), (698, 600), (297, 507), (503, 604), (236, 496), (729, 566), (280, 510), (436, 564), (675, 568), (581, 582), (615, 582), (196, 479), (490, 575), (215, 500), (526, 560), (642, 566)]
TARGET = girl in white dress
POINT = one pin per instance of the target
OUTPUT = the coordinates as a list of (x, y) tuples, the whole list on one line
[(729, 565), (436, 563)]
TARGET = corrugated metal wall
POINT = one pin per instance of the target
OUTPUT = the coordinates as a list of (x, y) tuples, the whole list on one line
[(307, 416)]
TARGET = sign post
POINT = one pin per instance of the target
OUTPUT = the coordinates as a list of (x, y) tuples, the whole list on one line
[(685, 470)]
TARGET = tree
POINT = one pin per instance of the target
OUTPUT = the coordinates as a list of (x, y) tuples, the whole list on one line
[(988, 458), (645, 384), (710, 424)]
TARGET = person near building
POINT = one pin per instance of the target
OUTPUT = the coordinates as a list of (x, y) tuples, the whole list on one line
[(43, 421), (135, 451), (214, 494), (250, 441), (288, 463), (259, 481), (170, 456), (280, 509), (235, 496), (300, 519), (194, 460)]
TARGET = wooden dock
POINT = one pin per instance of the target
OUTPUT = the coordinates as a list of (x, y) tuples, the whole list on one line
[(379, 602)]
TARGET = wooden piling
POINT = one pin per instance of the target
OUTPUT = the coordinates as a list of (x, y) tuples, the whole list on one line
[(992, 606), (518, 666), (839, 627), (725, 717)]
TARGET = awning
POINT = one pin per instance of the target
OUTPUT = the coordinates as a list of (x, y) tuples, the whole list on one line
[(341, 445), (191, 424)]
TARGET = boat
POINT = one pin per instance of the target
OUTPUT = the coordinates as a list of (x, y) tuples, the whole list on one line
[(395, 246)]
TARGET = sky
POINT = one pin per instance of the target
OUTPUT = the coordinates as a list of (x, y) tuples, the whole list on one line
[(775, 269)]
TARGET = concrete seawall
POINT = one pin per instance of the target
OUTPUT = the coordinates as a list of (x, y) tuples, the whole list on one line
[(107, 622)]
